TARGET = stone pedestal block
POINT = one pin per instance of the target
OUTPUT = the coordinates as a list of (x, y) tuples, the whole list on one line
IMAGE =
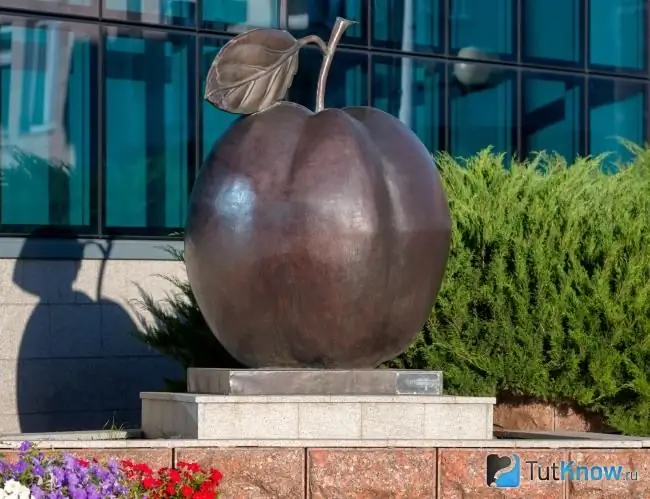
[(316, 420)]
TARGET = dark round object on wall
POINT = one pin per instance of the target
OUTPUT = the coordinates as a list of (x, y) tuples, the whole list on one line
[(317, 239)]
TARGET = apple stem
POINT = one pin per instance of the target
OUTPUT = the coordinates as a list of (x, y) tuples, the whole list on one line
[(314, 39), (335, 37)]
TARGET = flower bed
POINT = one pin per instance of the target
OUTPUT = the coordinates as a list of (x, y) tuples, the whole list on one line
[(56, 475)]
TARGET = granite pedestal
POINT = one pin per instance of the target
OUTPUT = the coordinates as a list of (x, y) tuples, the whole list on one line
[(332, 408)]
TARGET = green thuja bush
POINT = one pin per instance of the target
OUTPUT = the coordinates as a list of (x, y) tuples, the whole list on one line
[(175, 327), (547, 290), (546, 294)]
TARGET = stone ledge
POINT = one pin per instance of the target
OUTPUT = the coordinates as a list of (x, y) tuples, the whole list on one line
[(68, 436), (316, 399), (93, 249), (338, 443), (558, 435), (309, 418)]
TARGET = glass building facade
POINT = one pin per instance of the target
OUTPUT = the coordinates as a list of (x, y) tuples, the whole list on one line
[(103, 126)]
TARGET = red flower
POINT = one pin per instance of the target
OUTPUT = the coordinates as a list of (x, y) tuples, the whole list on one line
[(150, 482), (215, 475), (174, 476), (187, 480), (143, 468), (83, 463), (206, 487)]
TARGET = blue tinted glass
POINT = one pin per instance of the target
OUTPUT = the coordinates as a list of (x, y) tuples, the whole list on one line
[(482, 115), (236, 16), (215, 121), (76, 7), (48, 108), (149, 128), (176, 12), (489, 26), (412, 90), (552, 32), (317, 17), (347, 83), (617, 109), (618, 37), (552, 116), (414, 26)]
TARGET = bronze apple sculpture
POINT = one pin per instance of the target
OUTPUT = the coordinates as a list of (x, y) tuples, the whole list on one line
[(314, 238)]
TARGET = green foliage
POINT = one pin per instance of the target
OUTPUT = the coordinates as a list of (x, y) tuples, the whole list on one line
[(547, 290), (175, 327)]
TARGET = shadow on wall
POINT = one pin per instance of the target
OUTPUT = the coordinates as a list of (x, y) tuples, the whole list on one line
[(78, 367)]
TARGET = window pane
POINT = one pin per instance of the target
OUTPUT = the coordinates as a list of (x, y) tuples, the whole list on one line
[(411, 26), (77, 7), (215, 121), (347, 83), (412, 90), (483, 115), (618, 37), (487, 26), (149, 129), (237, 16), (552, 32), (316, 17), (176, 12), (618, 109), (48, 109), (552, 114)]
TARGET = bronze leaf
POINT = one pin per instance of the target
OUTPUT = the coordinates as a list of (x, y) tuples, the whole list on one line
[(253, 71)]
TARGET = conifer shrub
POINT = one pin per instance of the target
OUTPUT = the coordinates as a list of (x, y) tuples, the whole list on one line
[(546, 294), (175, 327)]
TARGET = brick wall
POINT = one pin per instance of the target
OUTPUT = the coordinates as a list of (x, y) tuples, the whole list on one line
[(67, 360)]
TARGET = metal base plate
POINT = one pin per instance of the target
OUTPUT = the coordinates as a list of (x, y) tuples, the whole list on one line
[(313, 382)]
